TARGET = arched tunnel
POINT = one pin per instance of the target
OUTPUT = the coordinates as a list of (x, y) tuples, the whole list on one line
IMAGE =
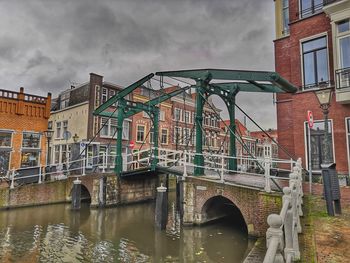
[(219, 207)]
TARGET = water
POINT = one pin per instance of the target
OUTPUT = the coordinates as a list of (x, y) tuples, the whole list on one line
[(54, 233)]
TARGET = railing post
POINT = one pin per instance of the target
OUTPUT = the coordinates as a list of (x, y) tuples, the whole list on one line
[(288, 224), (84, 163), (267, 176), (12, 179), (291, 164), (166, 158), (39, 181), (274, 237), (222, 169), (103, 162), (185, 163)]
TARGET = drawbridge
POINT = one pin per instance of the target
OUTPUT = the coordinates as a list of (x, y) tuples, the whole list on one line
[(203, 82)]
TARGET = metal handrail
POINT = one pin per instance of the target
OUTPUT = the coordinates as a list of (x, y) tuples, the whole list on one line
[(343, 78)]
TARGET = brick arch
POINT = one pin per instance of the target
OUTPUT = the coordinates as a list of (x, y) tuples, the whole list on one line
[(87, 182), (203, 202)]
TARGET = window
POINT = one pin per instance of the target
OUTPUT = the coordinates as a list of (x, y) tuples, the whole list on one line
[(30, 149), (317, 143), (151, 137), (5, 139), (285, 17), (64, 100), (5, 151), (31, 140), (343, 39), (187, 117), (177, 114), (161, 115), (58, 130), (177, 135), (126, 130), (30, 158), (315, 62), (105, 129), (309, 7), (140, 133), (113, 126), (164, 136), (64, 128), (104, 96), (57, 154), (186, 135)]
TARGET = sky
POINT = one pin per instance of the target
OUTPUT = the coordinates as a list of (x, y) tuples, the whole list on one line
[(48, 45)]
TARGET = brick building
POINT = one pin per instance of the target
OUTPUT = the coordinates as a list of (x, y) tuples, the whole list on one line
[(176, 125), (23, 119), (312, 51), (74, 124)]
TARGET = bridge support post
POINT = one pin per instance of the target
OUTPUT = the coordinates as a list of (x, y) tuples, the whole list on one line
[(102, 192), (76, 194), (199, 158), (155, 135), (119, 158), (180, 194), (161, 214), (232, 162)]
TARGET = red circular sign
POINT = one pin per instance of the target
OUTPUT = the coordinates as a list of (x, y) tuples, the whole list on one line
[(310, 118), (131, 144)]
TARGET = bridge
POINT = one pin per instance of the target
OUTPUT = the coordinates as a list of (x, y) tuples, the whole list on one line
[(208, 182)]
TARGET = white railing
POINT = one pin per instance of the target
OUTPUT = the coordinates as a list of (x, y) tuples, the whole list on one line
[(219, 164), (282, 235)]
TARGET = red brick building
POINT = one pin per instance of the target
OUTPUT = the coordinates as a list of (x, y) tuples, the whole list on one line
[(23, 119), (312, 51)]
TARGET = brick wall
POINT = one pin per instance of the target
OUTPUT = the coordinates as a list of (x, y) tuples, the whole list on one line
[(24, 112), (292, 109)]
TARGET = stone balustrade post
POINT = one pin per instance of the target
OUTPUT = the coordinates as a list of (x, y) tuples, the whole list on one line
[(13, 178), (40, 171), (274, 238), (185, 163), (267, 176)]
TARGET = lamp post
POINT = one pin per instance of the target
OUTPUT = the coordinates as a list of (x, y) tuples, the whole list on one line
[(329, 175), (48, 135), (324, 97)]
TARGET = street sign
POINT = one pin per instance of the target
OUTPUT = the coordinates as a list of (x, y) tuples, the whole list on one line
[(131, 145), (310, 118), (82, 146)]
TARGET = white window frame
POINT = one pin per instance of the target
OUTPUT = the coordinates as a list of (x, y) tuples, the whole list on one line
[(167, 136), (303, 40), (144, 132), (104, 95), (58, 130)]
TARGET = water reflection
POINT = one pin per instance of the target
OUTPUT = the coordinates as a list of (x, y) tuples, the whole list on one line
[(121, 234)]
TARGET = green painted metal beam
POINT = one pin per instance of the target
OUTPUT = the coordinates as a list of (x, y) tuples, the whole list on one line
[(121, 94), (280, 84), (249, 87)]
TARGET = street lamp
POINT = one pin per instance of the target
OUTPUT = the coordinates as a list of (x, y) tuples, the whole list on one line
[(48, 135), (329, 174), (324, 97)]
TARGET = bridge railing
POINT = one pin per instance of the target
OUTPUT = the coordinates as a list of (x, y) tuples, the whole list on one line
[(282, 236), (218, 165)]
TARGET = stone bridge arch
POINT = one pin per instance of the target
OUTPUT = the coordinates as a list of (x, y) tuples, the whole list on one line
[(254, 204), (220, 206)]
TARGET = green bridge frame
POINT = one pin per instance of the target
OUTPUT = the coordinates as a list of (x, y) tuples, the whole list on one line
[(236, 81)]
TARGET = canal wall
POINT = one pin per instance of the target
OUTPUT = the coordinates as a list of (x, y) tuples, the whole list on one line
[(116, 191)]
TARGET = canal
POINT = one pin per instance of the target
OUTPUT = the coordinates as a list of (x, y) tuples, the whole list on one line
[(55, 233)]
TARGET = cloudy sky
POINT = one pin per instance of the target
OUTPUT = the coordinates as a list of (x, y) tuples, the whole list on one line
[(47, 45)]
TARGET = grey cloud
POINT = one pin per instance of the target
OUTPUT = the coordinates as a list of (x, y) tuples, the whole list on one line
[(55, 42)]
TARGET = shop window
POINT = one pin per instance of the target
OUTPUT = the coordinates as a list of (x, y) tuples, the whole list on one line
[(30, 158)]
